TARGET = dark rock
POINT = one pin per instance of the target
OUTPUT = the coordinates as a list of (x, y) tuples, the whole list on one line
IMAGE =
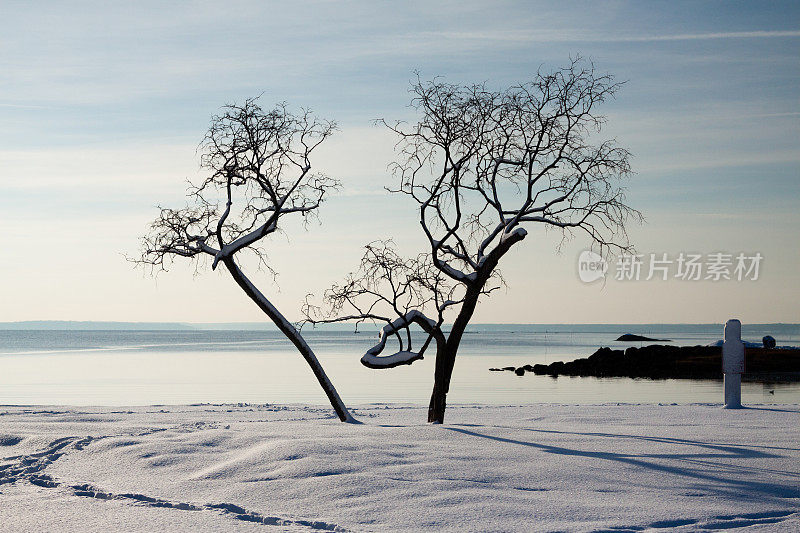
[(540, 369), (520, 371), (670, 362), (630, 337), (769, 342)]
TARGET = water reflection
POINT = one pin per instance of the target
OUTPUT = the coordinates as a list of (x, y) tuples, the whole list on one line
[(143, 377)]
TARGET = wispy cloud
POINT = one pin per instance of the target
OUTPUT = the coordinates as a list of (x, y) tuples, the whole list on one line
[(21, 106), (703, 36), (102, 109), (573, 36)]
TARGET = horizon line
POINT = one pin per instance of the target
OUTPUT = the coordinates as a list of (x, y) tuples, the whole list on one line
[(268, 323)]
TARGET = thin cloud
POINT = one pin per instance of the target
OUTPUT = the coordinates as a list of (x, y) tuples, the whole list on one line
[(569, 36), (21, 106), (703, 36)]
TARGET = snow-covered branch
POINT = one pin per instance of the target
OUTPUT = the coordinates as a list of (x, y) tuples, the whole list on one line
[(373, 359), (391, 290), (258, 166), (259, 171), (482, 162)]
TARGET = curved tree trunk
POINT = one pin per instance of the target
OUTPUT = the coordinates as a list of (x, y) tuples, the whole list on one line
[(293, 335)]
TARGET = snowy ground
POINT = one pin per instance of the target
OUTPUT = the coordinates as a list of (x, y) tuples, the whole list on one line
[(294, 468)]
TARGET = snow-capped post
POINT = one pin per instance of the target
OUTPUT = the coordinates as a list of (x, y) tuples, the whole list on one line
[(733, 364)]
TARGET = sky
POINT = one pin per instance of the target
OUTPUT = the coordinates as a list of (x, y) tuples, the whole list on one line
[(102, 107)]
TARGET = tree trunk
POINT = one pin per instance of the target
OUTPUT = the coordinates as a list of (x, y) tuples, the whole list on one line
[(293, 335), (446, 355), (441, 385), (446, 359)]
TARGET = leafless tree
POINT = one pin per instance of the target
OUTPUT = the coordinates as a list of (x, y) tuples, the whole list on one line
[(479, 166), (259, 171)]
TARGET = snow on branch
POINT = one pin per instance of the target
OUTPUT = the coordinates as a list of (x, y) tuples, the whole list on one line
[(178, 232), (258, 170), (373, 359), (389, 289), (481, 162)]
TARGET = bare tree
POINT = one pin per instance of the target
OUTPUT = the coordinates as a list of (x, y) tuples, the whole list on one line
[(479, 166), (259, 171)]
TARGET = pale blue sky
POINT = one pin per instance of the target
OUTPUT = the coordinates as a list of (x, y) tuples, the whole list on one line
[(102, 107)]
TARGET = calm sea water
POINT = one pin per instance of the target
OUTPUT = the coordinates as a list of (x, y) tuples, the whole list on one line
[(177, 367)]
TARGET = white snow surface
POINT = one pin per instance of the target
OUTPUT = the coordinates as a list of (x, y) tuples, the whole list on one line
[(268, 468)]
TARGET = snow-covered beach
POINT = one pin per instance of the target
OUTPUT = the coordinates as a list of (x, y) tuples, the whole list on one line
[(542, 467)]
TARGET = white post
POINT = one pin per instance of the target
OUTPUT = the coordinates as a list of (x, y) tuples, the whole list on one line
[(733, 364)]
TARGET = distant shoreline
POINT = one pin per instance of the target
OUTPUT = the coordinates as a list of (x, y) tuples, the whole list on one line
[(93, 325)]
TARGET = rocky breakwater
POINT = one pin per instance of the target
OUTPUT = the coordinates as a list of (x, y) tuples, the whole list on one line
[(673, 362)]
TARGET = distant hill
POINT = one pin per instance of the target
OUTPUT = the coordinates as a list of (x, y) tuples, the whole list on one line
[(90, 325)]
